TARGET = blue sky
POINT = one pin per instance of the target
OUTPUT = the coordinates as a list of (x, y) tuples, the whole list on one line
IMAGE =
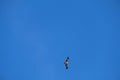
[(38, 35)]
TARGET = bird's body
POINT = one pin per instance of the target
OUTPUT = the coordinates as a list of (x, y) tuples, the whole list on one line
[(66, 62)]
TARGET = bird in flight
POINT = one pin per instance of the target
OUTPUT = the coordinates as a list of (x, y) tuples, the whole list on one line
[(66, 62)]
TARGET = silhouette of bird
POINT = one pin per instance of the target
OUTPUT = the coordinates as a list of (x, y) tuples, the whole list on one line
[(66, 62)]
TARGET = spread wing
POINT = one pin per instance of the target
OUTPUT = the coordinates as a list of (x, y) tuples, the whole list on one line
[(66, 66), (67, 59)]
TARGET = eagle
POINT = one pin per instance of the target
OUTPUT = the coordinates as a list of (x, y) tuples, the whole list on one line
[(66, 62)]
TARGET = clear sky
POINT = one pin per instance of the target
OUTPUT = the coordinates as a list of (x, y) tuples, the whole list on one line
[(36, 36)]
